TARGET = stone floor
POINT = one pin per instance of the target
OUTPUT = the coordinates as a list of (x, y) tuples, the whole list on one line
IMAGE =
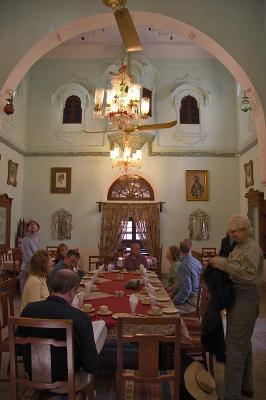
[(105, 382)]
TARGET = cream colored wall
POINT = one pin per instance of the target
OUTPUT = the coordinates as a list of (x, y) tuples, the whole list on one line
[(91, 178)]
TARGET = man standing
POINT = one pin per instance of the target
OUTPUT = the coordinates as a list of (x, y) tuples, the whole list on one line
[(134, 259), (29, 245), (63, 285), (188, 276)]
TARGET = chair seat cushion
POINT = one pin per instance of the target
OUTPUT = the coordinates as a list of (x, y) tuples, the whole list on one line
[(148, 391), (26, 393)]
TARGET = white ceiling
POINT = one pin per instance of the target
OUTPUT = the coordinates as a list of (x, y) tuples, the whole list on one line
[(106, 42)]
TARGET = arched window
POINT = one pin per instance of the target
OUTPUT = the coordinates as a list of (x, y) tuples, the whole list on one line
[(72, 111), (189, 111), (148, 93), (130, 187)]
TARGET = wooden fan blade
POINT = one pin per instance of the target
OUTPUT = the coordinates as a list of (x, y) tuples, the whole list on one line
[(115, 130), (163, 125), (127, 30)]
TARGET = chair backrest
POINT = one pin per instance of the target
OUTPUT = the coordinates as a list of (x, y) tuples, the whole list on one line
[(148, 351), (208, 251), (6, 286), (52, 250), (203, 301), (40, 355), (95, 261)]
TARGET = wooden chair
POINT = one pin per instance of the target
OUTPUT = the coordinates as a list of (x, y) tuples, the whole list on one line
[(10, 261), (41, 358), (148, 351), (6, 310), (194, 323), (51, 250), (96, 261), (208, 251)]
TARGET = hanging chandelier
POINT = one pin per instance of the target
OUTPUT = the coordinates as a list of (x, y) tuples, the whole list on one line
[(128, 160), (124, 106)]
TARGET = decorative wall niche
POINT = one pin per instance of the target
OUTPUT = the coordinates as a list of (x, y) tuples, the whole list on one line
[(61, 225), (195, 132), (199, 225), (59, 99)]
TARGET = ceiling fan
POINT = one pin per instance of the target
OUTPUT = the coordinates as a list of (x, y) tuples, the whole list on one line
[(135, 128), (125, 24)]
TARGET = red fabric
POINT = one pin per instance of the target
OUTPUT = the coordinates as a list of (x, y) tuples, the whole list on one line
[(116, 305)]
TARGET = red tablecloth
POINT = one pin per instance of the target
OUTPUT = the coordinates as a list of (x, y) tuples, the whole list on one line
[(116, 305)]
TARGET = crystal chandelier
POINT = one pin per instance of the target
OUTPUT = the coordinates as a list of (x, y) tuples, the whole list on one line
[(123, 105), (128, 160)]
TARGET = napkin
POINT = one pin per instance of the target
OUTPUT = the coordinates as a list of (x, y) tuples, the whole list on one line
[(110, 267), (145, 281), (152, 299), (81, 296), (141, 267), (151, 289), (133, 301), (75, 301), (88, 287), (101, 268)]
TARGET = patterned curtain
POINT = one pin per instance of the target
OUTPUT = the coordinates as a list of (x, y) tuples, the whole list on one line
[(114, 222)]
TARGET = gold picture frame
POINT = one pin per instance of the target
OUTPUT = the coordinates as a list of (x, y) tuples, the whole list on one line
[(61, 180), (12, 173), (197, 185), (249, 179)]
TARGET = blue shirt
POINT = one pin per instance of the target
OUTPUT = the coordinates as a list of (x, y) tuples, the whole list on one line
[(188, 275)]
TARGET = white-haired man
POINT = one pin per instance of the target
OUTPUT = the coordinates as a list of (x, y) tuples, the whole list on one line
[(244, 266)]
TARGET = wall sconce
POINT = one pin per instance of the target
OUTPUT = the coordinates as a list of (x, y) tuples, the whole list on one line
[(9, 107), (245, 104)]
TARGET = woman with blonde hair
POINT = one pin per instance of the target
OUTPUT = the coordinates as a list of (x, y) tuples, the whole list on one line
[(173, 256), (36, 288)]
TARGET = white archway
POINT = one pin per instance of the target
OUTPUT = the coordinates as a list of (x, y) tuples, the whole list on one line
[(81, 25)]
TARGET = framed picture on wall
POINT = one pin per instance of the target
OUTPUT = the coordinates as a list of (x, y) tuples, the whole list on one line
[(61, 180), (12, 173), (197, 185), (249, 180)]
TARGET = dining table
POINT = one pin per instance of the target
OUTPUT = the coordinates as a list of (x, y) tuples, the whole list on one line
[(104, 293)]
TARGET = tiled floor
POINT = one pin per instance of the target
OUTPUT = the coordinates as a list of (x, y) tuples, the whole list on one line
[(105, 383)]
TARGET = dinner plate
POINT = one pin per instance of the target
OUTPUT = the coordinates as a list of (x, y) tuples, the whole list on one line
[(145, 303), (95, 289), (170, 310), (121, 314), (105, 314), (115, 270), (87, 310), (162, 298), (155, 315), (86, 277)]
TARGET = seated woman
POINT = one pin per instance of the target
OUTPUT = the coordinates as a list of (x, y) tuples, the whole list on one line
[(36, 288), (61, 252), (172, 255), (119, 258)]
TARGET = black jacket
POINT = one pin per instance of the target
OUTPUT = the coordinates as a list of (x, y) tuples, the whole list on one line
[(226, 247), (222, 297), (85, 352)]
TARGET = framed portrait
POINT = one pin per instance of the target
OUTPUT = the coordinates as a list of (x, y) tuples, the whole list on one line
[(61, 180), (197, 185), (12, 173), (249, 180)]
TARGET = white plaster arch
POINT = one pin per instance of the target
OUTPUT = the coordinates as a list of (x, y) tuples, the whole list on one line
[(97, 21)]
